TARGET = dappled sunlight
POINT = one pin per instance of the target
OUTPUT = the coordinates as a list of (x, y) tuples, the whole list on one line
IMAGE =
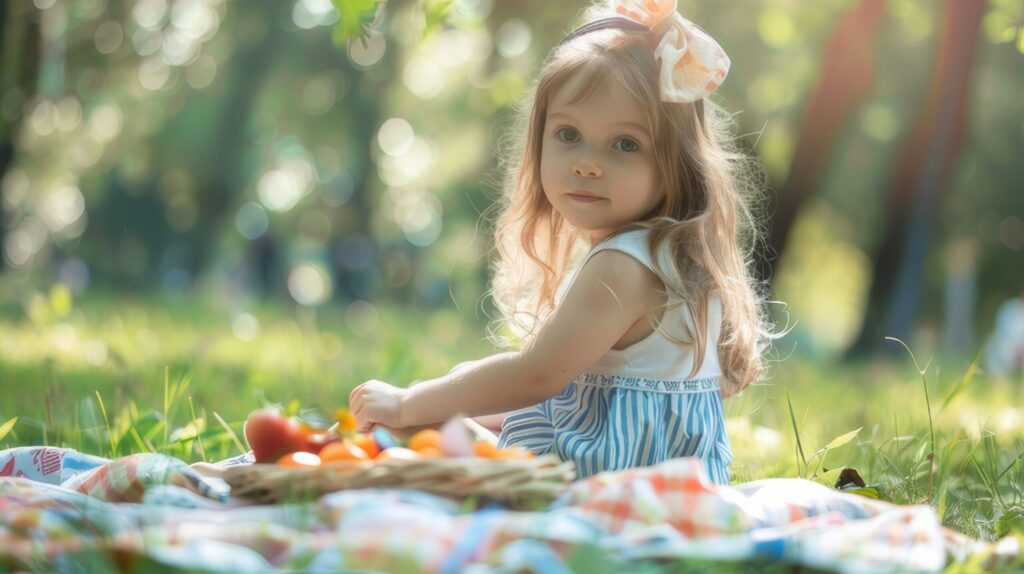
[(824, 284)]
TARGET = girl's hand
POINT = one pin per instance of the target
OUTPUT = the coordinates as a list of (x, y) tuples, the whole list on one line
[(376, 403)]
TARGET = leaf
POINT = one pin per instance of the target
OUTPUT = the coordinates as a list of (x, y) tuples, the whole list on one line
[(354, 14), (836, 442), (435, 11), (150, 425), (867, 491), (6, 427), (829, 478), (841, 440), (1012, 519)]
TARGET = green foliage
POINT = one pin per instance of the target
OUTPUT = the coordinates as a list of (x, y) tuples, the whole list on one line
[(355, 14)]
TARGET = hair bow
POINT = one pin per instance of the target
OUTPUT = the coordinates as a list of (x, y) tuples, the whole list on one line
[(693, 65)]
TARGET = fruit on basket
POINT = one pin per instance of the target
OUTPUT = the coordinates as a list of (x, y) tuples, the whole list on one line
[(272, 435), (460, 460), (289, 441)]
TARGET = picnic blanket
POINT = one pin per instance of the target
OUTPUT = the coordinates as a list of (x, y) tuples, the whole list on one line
[(151, 510)]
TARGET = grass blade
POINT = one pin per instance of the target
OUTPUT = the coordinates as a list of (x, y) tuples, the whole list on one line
[(796, 433), (167, 404), (234, 437), (192, 408), (106, 423), (928, 404)]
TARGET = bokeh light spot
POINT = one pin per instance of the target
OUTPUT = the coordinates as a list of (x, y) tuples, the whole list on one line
[(252, 221), (1011, 233), (245, 327), (423, 77), (150, 13), (315, 227), (108, 37), (777, 28), (106, 122), (201, 72), (362, 317), (513, 38), (880, 122), (366, 52), (309, 284), (395, 136), (96, 353)]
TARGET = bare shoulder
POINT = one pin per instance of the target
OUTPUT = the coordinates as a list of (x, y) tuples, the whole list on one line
[(629, 281)]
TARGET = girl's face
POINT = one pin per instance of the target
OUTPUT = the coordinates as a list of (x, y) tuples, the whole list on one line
[(597, 162)]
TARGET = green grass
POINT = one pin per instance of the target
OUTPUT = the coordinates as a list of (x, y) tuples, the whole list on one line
[(176, 380)]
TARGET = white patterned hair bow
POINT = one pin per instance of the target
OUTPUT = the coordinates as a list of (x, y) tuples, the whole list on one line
[(693, 65)]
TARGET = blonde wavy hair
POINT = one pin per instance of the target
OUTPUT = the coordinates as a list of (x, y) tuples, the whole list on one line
[(705, 221)]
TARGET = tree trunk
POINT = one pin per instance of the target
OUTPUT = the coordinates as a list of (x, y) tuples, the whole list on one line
[(847, 73), (20, 52), (222, 163), (926, 161)]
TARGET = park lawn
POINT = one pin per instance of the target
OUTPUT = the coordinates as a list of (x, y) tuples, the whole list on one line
[(117, 374)]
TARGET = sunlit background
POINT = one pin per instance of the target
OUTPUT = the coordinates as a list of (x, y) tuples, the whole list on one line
[(246, 153)]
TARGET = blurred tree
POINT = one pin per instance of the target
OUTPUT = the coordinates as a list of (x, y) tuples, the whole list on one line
[(221, 159), (846, 77), (19, 46), (920, 179)]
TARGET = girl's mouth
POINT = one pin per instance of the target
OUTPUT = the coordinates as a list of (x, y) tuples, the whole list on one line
[(585, 198)]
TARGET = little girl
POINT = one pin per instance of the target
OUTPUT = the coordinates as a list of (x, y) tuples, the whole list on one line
[(623, 243)]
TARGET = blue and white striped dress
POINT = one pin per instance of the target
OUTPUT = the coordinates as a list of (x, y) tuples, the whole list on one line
[(636, 406)]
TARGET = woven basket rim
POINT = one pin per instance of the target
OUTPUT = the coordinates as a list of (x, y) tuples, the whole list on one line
[(508, 481)]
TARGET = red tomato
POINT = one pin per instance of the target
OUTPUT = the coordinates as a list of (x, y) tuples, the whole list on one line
[(271, 435)]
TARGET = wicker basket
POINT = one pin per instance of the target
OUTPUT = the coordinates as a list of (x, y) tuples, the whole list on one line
[(515, 483)]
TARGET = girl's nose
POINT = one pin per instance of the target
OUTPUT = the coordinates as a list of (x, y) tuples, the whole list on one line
[(586, 168)]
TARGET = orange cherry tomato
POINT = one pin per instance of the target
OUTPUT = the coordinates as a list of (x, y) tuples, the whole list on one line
[(427, 438), (430, 452), (485, 449), (368, 444), (342, 450), (299, 459), (398, 453)]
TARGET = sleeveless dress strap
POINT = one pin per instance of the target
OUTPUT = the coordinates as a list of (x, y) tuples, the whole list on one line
[(633, 243)]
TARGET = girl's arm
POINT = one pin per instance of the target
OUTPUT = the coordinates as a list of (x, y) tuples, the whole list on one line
[(611, 293), (490, 422)]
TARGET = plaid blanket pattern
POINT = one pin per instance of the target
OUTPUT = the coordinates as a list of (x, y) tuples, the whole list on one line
[(655, 514)]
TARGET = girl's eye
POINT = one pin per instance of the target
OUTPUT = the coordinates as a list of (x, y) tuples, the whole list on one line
[(568, 135), (627, 145)]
